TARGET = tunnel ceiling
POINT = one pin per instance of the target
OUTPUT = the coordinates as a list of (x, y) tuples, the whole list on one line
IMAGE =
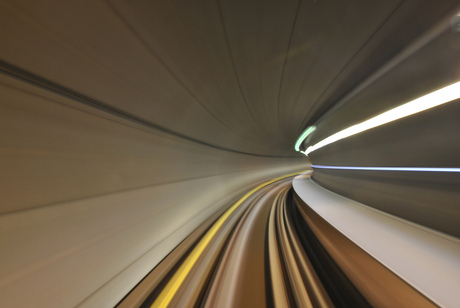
[(246, 76)]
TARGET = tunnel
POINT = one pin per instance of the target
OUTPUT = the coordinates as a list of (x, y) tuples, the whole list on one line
[(229, 153)]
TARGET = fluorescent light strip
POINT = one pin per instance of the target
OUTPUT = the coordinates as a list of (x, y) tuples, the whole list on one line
[(302, 137), (419, 169), (428, 101)]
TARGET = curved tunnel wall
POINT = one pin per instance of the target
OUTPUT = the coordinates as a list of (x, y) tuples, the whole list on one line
[(87, 209), (94, 196), (428, 139), (123, 125)]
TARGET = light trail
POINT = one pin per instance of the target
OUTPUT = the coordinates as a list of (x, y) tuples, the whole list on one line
[(410, 169), (303, 136), (433, 99), (271, 248), (176, 281)]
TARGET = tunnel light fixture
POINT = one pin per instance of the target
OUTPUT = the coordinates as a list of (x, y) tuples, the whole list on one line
[(419, 169), (302, 137), (433, 99)]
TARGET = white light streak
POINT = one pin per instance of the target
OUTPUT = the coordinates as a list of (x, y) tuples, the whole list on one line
[(411, 169), (436, 98)]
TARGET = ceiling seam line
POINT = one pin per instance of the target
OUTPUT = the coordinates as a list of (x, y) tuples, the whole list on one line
[(304, 121), (63, 91), (284, 64), (234, 68), (168, 69)]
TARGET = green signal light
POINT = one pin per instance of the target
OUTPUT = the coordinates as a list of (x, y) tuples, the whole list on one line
[(304, 135)]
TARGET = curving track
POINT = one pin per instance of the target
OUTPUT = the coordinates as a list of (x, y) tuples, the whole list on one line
[(132, 133), (270, 249)]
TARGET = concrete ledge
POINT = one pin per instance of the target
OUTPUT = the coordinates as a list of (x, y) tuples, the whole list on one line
[(427, 259)]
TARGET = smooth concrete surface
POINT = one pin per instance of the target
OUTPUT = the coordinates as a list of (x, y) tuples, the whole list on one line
[(426, 139), (430, 199), (255, 73), (92, 202), (426, 259), (124, 124)]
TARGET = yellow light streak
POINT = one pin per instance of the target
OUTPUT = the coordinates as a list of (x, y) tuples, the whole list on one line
[(176, 281)]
